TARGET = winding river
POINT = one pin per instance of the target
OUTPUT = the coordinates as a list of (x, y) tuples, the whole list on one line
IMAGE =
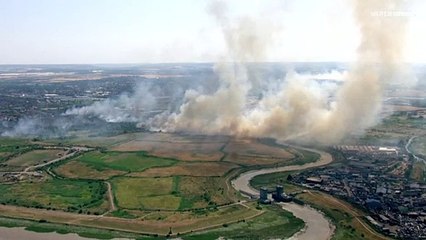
[(316, 225)]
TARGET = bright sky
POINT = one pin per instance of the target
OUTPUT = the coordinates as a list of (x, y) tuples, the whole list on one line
[(146, 31)]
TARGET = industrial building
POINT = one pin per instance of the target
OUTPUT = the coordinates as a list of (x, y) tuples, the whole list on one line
[(278, 195), (264, 196)]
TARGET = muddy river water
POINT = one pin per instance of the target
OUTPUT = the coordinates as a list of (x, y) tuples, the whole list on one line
[(316, 225)]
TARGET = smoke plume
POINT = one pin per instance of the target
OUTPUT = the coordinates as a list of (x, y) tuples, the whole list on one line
[(126, 108), (298, 111), (293, 108)]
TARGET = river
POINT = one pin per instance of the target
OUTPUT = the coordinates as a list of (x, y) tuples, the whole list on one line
[(316, 225)]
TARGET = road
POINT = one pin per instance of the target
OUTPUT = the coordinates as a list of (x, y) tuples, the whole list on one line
[(316, 225), (71, 152)]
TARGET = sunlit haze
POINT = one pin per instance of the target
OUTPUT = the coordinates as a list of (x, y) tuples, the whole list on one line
[(142, 31)]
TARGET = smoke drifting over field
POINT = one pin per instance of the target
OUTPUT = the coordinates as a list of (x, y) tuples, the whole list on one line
[(126, 108), (292, 109)]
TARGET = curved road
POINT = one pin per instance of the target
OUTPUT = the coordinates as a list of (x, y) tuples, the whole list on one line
[(69, 154), (316, 225)]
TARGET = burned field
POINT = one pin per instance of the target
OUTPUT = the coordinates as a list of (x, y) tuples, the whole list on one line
[(182, 147)]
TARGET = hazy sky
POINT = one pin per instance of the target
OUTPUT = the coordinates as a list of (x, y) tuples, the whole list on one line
[(140, 31)]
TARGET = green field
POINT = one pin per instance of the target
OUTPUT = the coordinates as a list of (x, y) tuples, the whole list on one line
[(32, 158), (270, 180), (80, 170), (10, 147), (302, 157), (68, 195), (200, 192), (123, 161), (180, 192), (188, 201), (275, 223), (145, 193)]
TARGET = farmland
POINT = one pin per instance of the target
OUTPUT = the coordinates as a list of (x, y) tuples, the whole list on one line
[(198, 169), (138, 161), (157, 180), (249, 152), (66, 195), (32, 158), (76, 169), (10, 148), (182, 147), (149, 193)]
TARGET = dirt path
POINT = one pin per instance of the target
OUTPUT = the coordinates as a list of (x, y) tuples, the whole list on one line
[(111, 198), (316, 225), (71, 152)]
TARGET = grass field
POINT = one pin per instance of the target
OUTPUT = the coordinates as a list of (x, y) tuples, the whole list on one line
[(177, 146), (33, 158), (95, 233), (145, 193), (252, 152), (80, 170), (155, 222), (185, 187), (275, 223), (185, 151), (170, 202), (69, 195), (197, 169), (280, 178), (123, 161), (270, 180), (170, 193), (198, 192), (10, 147)]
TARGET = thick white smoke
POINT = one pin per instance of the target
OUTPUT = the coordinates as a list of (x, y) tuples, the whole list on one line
[(126, 108), (297, 111), (294, 109)]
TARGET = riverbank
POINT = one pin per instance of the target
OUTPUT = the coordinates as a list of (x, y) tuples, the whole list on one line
[(316, 225), (19, 233)]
